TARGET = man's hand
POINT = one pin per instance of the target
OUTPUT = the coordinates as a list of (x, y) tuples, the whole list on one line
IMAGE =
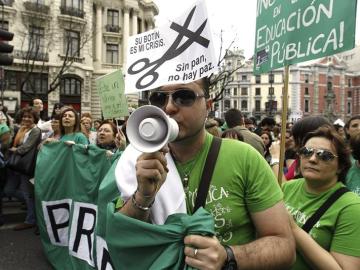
[(204, 252), (151, 172)]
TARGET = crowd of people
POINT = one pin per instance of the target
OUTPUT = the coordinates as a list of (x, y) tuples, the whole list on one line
[(258, 223), (30, 130)]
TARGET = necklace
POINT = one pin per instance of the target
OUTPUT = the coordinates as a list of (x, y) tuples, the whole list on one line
[(185, 170)]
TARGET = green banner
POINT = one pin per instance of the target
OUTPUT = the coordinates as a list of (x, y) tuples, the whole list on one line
[(111, 90), (294, 31)]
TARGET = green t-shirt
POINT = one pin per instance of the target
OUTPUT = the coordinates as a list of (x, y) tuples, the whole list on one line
[(77, 137), (242, 183), (353, 179), (338, 228)]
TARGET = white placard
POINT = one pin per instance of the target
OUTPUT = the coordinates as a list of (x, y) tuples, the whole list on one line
[(180, 51)]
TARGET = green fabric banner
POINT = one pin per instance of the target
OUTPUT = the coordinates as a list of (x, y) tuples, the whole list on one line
[(66, 192), (153, 247), (75, 191), (289, 32)]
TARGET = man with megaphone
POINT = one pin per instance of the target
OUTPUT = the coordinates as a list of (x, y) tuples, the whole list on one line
[(251, 223)]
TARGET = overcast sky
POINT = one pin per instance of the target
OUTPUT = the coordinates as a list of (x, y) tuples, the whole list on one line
[(234, 17)]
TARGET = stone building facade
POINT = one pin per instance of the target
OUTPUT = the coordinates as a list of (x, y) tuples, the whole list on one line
[(89, 35)]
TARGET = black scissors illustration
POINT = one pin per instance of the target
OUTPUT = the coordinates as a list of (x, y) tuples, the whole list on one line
[(171, 53)]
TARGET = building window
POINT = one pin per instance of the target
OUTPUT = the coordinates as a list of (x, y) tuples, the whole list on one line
[(4, 25), (235, 104), (349, 107), (75, 4), (271, 91), (36, 84), (112, 53), (306, 91), (36, 39), (307, 106), (72, 43), (258, 79), (349, 82), (227, 92), (227, 105), (235, 91), (271, 78), (257, 106), (257, 91), (244, 105), (113, 17), (70, 86), (349, 94), (243, 77), (244, 91), (306, 78)]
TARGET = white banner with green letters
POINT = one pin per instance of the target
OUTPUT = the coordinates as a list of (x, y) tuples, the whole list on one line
[(294, 31)]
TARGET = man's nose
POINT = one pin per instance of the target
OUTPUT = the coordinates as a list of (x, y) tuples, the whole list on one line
[(170, 106)]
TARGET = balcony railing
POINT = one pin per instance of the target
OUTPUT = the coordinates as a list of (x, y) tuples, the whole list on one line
[(71, 11), (7, 2), (26, 55), (112, 28), (36, 7)]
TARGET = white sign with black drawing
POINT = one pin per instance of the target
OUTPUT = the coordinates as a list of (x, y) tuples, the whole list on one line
[(179, 52)]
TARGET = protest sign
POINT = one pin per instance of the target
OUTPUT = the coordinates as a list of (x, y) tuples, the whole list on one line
[(179, 52), (294, 31), (112, 98)]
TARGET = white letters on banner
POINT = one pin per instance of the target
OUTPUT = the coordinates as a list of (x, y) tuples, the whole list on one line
[(57, 217), (181, 51), (82, 232)]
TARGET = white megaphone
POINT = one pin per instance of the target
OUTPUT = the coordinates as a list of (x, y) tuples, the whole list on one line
[(149, 129)]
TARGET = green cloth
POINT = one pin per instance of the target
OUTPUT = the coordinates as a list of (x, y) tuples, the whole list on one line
[(77, 137), (4, 129), (242, 182), (338, 229), (353, 179), (67, 181), (154, 247)]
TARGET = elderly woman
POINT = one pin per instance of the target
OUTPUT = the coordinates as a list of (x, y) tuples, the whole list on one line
[(109, 138), (331, 242), (70, 127)]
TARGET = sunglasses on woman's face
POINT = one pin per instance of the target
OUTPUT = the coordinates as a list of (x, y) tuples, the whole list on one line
[(180, 97), (321, 154)]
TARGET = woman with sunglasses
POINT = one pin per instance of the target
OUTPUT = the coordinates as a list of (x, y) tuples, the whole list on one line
[(331, 242)]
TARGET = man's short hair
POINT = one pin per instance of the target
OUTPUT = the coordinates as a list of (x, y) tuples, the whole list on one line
[(267, 121), (233, 118)]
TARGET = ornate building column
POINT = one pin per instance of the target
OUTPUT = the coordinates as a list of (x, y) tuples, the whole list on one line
[(98, 52), (135, 22), (126, 31)]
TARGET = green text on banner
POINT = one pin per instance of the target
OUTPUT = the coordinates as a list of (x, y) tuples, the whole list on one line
[(112, 98)]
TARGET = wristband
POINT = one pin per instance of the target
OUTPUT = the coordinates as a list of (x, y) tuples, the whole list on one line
[(274, 161), (230, 263), (139, 206)]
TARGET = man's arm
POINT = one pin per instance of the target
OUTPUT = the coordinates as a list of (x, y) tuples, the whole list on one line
[(274, 248)]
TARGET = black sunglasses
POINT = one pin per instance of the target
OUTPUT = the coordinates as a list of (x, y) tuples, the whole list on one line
[(324, 155), (180, 97)]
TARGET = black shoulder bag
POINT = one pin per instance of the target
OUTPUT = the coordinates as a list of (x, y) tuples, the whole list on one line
[(207, 173), (325, 206)]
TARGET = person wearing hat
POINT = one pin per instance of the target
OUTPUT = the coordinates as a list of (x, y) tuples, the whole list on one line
[(5, 139)]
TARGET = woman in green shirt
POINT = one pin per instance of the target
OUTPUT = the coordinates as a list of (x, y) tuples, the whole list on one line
[(70, 127), (334, 240)]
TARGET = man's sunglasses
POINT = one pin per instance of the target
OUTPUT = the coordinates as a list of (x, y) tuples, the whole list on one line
[(324, 155), (180, 97)]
